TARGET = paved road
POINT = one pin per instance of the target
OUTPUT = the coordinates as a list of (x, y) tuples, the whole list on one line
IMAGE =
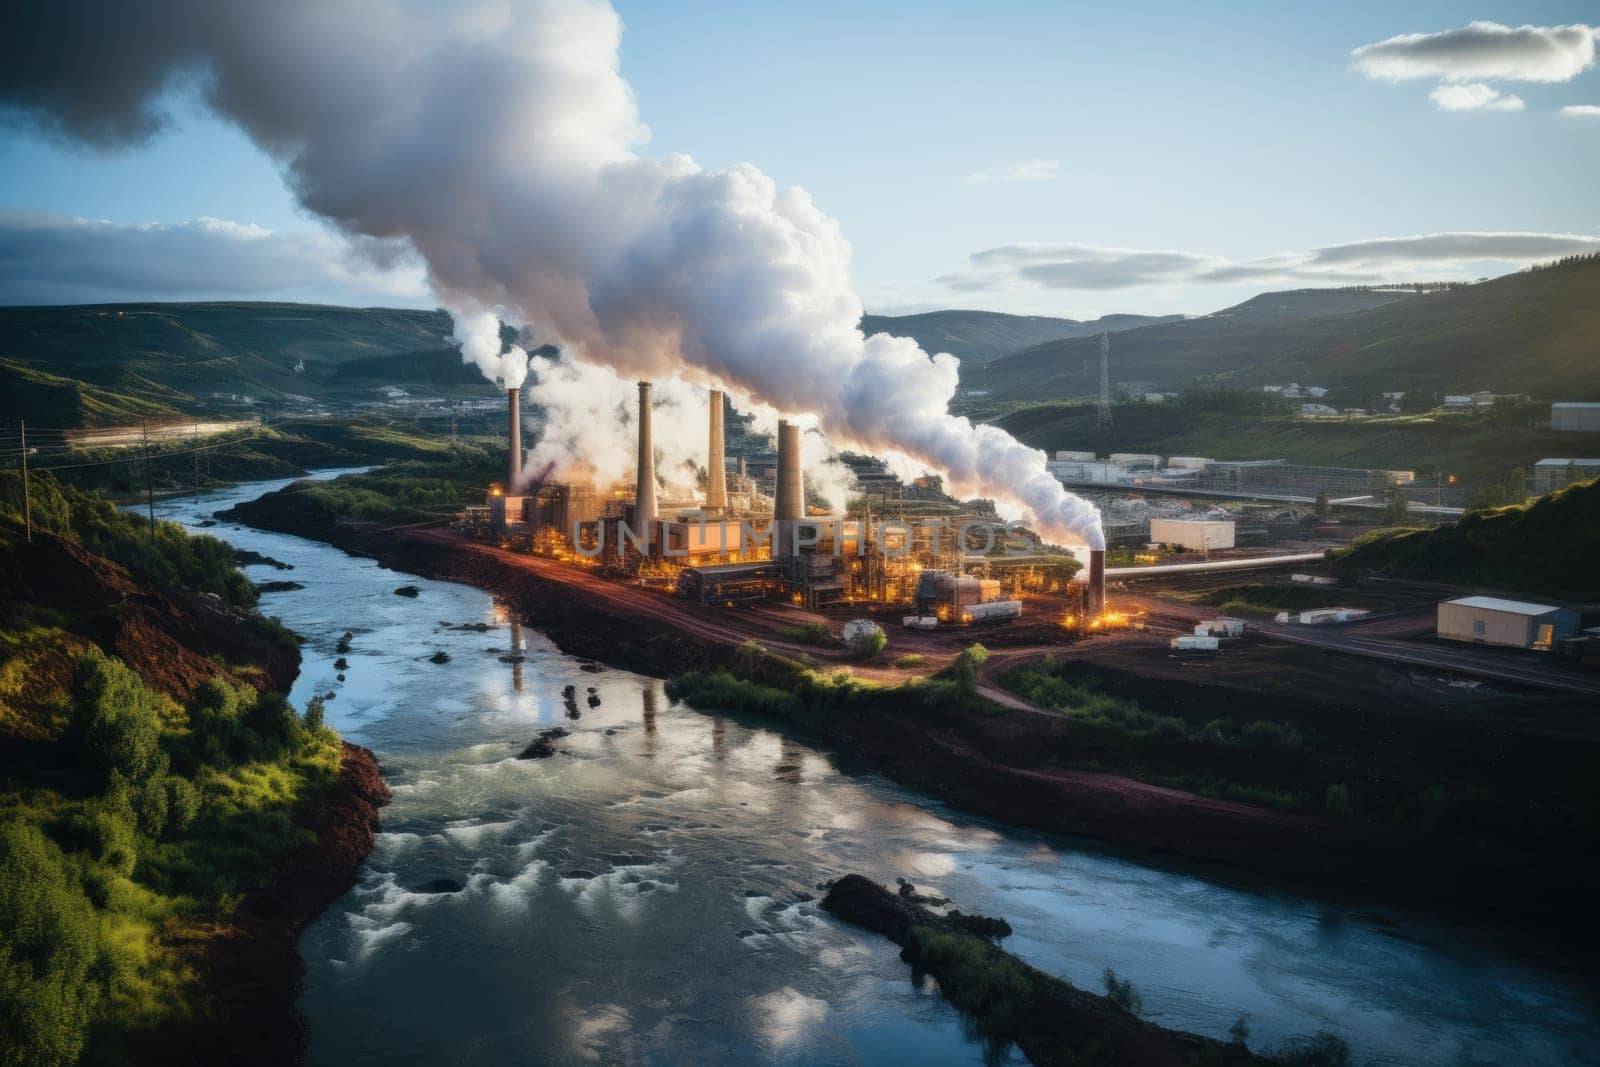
[(1539, 670)]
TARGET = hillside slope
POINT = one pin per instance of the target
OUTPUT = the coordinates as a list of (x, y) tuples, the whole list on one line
[(979, 337), (1531, 332), (1550, 546), (1477, 448), (170, 355)]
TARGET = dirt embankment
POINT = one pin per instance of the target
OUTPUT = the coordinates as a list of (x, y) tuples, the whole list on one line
[(253, 960), (174, 642), (248, 961)]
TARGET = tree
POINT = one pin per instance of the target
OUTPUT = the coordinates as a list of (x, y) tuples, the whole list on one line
[(118, 721), (1322, 507), (1398, 505), (49, 954), (964, 671)]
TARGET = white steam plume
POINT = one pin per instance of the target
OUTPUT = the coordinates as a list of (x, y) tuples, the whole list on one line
[(499, 139)]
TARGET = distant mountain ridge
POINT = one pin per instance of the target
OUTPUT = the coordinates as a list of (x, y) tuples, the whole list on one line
[(980, 337), (1533, 332), (99, 364)]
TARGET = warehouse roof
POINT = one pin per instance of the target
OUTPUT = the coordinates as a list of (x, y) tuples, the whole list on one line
[(1511, 607), (1575, 404), (1568, 462)]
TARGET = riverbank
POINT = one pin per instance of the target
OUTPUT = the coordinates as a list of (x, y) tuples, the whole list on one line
[(252, 961), (983, 758), (169, 824)]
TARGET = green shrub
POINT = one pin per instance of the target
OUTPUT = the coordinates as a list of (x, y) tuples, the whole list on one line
[(275, 725), (1337, 801), (980, 979), (872, 645), (183, 802), (315, 713), (216, 732), (113, 840), (150, 805), (118, 720), (910, 659), (49, 954), (1120, 992), (964, 669)]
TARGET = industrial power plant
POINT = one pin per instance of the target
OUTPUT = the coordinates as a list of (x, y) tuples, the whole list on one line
[(747, 537)]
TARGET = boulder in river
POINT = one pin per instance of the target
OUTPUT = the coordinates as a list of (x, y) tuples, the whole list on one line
[(439, 885), (408, 590), (277, 587), (439, 657), (543, 746)]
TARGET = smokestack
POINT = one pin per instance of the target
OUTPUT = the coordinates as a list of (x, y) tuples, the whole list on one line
[(789, 503), (644, 494), (716, 464), (1097, 581), (514, 451)]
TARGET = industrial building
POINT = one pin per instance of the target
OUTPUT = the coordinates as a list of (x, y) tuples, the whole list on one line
[(1489, 620), (1196, 535), (734, 544), (1552, 474), (1575, 418)]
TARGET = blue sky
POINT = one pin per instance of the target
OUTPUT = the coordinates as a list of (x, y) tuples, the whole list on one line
[(1229, 133)]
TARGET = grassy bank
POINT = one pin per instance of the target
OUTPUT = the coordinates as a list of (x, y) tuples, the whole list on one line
[(1550, 546), (138, 807)]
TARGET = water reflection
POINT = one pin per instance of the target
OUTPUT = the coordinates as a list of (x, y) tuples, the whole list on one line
[(648, 892)]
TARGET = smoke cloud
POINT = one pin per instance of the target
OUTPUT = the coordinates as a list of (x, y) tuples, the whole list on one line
[(501, 140)]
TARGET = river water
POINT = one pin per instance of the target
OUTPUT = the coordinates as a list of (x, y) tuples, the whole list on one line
[(648, 894)]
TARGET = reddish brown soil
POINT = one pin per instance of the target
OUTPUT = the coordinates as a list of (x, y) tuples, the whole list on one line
[(252, 962), (1008, 766), (173, 642)]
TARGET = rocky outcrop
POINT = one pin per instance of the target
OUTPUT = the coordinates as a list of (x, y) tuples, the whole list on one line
[(1052, 1021)]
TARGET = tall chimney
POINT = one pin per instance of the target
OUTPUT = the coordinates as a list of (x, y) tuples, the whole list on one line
[(1097, 581), (788, 505), (644, 494), (716, 463), (514, 449)]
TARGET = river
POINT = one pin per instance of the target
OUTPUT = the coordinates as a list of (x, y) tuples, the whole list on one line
[(649, 893)]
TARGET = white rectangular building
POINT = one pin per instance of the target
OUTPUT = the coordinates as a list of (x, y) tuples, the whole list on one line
[(1575, 418), (1491, 620), (1552, 474), (1195, 534)]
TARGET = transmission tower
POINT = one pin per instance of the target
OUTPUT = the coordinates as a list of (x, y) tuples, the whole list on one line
[(1104, 422)]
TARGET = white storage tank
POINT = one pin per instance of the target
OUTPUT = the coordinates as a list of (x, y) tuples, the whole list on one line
[(858, 632), (994, 611), (1195, 643)]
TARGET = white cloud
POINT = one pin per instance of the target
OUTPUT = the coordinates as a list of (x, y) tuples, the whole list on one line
[(47, 258), (1482, 51), (1474, 97), (1582, 111), (1435, 256), (1027, 170)]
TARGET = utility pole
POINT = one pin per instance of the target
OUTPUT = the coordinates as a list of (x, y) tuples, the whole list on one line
[(149, 487), (197, 459), (27, 507)]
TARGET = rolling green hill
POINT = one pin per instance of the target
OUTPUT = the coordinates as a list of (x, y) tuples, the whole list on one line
[(1549, 546), (1532, 332), (134, 360), (979, 337)]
